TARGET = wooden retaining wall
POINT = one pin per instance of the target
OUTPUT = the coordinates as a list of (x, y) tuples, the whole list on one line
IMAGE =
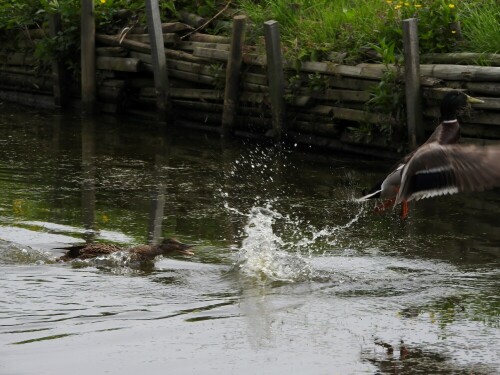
[(322, 100)]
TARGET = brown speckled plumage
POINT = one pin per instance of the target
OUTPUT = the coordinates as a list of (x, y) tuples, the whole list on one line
[(139, 253)]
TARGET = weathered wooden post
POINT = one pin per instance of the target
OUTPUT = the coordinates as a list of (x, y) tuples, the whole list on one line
[(159, 59), (88, 57), (412, 83), (58, 71), (275, 77), (233, 68)]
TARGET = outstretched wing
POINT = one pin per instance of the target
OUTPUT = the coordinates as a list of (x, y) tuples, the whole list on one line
[(448, 169)]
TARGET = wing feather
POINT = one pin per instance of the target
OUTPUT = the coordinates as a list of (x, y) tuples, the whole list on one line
[(448, 169)]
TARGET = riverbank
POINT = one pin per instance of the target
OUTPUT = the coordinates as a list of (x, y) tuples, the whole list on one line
[(354, 108)]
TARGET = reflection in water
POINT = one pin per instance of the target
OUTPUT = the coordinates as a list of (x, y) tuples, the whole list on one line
[(290, 274), (88, 178)]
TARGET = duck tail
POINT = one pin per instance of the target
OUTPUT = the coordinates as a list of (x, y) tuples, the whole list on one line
[(375, 194)]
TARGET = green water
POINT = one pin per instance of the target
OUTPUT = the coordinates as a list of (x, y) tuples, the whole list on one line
[(290, 275)]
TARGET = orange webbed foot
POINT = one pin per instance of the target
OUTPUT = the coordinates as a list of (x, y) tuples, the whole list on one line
[(381, 207), (404, 210)]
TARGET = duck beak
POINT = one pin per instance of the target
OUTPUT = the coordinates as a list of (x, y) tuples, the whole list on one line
[(473, 100), (186, 252)]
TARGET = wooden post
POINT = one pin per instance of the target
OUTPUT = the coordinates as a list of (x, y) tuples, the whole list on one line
[(88, 177), (58, 71), (275, 76), (159, 59), (412, 83), (233, 68), (88, 57)]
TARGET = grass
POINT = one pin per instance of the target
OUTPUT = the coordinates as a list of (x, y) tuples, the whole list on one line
[(481, 26), (311, 28)]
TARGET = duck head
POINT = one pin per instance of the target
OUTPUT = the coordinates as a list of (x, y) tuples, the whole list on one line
[(171, 245), (455, 101)]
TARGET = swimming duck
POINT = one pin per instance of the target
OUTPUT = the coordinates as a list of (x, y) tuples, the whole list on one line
[(446, 133), (139, 253)]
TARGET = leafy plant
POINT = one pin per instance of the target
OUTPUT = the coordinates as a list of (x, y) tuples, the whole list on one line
[(388, 96), (437, 19)]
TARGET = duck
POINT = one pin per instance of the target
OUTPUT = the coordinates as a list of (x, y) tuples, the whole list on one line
[(446, 133), (139, 253), (437, 169)]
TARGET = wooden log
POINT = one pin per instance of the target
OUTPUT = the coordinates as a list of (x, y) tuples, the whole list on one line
[(140, 82), (191, 46), (190, 67), (258, 79), (340, 82), (88, 60), (214, 54), (206, 38), (26, 70), (175, 27), (203, 117), (186, 93), (159, 59), (111, 51), (197, 106), (168, 38), (338, 95), (368, 71), (355, 115), (180, 55), (462, 72), (192, 19), (110, 94), (144, 57), (466, 58), (254, 97), (113, 40), (275, 77), (413, 92), (28, 99), (192, 77), (120, 64), (17, 58), (233, 75), (255, 88), (24, 82), (196, 125), (485, 88), (116, 83)]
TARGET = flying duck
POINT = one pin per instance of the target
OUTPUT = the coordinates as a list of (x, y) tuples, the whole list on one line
[(446, 133), (138, 253)]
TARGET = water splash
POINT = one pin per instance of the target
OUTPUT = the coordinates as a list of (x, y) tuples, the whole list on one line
[(11, 253), (120, 263), (262, 256)]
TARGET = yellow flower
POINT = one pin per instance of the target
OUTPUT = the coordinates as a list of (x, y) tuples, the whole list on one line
[(418, 5), (450, 5), (453, 31), (397, 6), (103, 1)]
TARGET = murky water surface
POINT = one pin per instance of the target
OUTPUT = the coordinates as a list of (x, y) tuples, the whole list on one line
[(290, 276)]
